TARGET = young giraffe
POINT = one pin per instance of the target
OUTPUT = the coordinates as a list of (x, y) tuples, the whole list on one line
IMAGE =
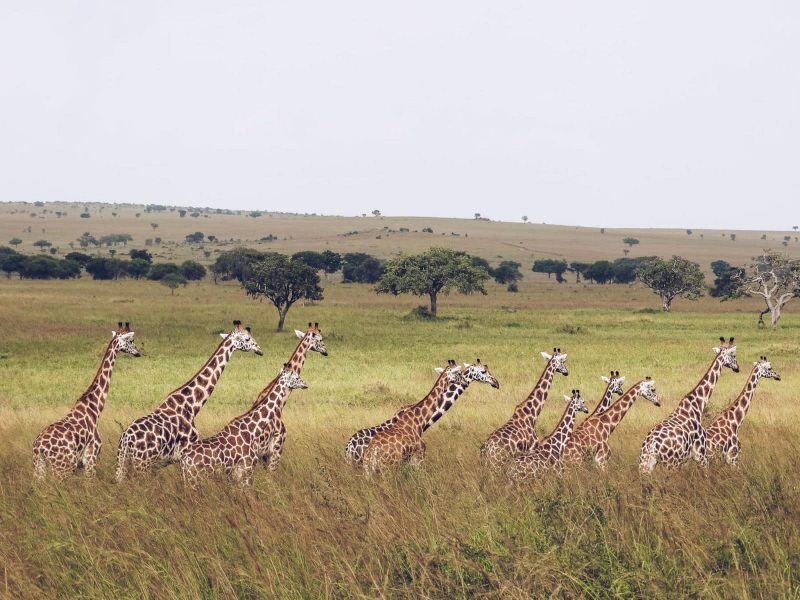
[(723, 433), (311, 341), (256, 435), (155, 440), (358, 442), (518, 435), (73, 443), (613, 386), (591, 437), (402, 442), (548, 454), (681, 434)]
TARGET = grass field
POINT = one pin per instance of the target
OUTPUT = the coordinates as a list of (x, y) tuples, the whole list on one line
[(317, 528)]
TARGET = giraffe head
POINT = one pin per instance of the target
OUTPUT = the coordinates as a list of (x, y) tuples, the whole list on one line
[(764, 369), (123, 337), (314, 336), (480, 372), (647, 389), (614, 382), (727, 353), (290, 379), (241, 339), (577, 401), (452, 372), (558, 360)]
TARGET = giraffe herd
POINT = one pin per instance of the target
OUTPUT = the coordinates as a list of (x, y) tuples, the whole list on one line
[(168, 434)]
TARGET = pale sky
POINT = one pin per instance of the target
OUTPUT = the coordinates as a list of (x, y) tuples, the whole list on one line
[(662, 114)]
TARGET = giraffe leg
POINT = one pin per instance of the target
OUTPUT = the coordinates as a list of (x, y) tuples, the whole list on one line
[(602, 455), (732, 453), (699, 449), (276, 450), (417, 456), (90, 455)]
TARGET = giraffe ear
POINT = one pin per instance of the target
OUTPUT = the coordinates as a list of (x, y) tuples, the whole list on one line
[(299, 334), (113, 334), (439, 370), (466, 365), (621, 379), (223, 335), (547, 356), (716, 350), (567, 398), (606, 379)]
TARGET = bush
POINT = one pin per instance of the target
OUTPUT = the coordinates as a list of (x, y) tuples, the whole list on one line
[(159, 271), (106, 268), (192, 270), (358, 267), (47, 267)]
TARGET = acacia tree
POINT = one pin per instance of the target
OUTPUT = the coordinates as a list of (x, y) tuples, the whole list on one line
[(283, 282), (439, 270), (676, 277), (773, 277)]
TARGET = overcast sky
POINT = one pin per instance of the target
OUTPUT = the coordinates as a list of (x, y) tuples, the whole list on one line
[(683, 114)]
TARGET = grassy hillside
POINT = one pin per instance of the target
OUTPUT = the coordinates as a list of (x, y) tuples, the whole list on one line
[(381, 236), (317, 528)]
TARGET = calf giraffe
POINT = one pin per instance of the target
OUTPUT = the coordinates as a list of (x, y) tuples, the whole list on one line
[(155, 440), (723, 433), (681, 434), (518, 435), (402, 442), (613, 386), (256, 435), (358, 442), (591, 437), (547, 455), (74, 443)]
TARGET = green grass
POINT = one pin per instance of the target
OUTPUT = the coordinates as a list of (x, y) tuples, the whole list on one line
[(317, 528)]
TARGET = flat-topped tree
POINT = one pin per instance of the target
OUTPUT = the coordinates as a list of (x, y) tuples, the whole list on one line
[(439, 270), (773, 277), (283, 282), (676, 277)]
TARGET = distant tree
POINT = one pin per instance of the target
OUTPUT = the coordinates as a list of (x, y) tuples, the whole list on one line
[(551, 266), (358, 267), (626, 251), (137, 268), (283, 282), (477, 215), (106, 268), (376, 213), (192, 270), (157, 240), (195, 237), (211, 238), (158, 271), (12, 262), (795, 227), (112, 252), (87, 239), (602, 230), (332, 262), (579, 268), (142, 254), (85, 215), (78, 257), (181, 213), (173, 281), (689, 232), (624, 269), (733, 237), (774, 278), (15, 241), (725, 279), (630, 241), (437, 271), (154, 226), (313, 259), (507, 273), (47, 267), (601, 271), (524, 218), (669, 279), (42, 244), (763, 236), (235, 264), (427, 230), (478, 261)]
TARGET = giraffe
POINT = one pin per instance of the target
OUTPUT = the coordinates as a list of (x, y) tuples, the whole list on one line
[(723, 433), (73, 443), (591, 437), (613, 386), (548, 454), (402, 442), (312, 341), (681, 434), (256, 435), (518, 435), (155, 440), (358, 442)]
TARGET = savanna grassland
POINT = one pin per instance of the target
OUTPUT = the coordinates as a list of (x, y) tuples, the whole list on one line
[(318, 528)]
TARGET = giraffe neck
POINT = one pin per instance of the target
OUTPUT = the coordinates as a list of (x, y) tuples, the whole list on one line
[(298, 357), (743, 399), (604, 403), (696, 399), (447, 399), (193, 394), (95, 395), (556, 441), (620, 408), (532, 405), (271, 402), (423, 411)]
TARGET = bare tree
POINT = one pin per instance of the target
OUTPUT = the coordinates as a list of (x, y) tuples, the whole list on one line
[(773, 277)]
